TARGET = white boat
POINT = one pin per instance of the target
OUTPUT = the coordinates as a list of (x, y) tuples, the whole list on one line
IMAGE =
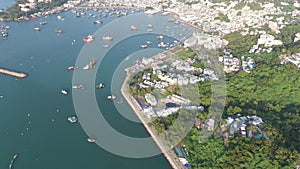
[(100, 86), (160, 37), (107, 38), (91, 140), (111, 97), (64, 92), (132, 27), (105, 46), (37, 29), (144, 46), (98, 22), (78, 87), (73, 119), (88, 39)]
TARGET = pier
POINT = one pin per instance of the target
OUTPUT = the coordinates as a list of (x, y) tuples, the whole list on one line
[(13, 73)]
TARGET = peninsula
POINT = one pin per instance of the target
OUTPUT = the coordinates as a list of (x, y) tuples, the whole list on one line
[(13, 73)]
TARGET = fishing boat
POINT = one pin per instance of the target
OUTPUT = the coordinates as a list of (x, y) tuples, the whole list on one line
[(64, 92), (73, 119), (88, 39), (111, 97), (100, 86), (107, 38), (91, 140)]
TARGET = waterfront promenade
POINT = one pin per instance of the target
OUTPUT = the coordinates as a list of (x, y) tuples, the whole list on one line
[(167, 152)]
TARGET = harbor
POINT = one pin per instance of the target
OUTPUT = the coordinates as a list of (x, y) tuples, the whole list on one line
[(13, 73), (50, 72)]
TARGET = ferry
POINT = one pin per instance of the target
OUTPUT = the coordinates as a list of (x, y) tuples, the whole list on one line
[(73, 119), (91, 140), (98, 22), (108, 38), (88, 39), (100, 86), (111, 97), (64, 92), (78, 87)]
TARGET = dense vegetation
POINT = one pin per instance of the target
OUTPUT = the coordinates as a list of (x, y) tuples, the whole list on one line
[(271, 91), (15, 12)]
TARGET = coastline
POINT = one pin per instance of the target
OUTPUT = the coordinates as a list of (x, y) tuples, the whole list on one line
[(168, 154)]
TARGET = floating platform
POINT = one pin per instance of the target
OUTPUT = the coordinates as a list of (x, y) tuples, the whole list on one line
[(13, 73)]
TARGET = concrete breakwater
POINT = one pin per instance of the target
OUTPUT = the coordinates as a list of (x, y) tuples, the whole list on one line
[(13, 73)]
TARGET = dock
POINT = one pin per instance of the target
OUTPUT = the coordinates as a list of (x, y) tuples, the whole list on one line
[(13, 73)]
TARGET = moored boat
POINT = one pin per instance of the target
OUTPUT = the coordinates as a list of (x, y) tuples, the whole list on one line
[(43, 23), (132, 27), (90, 65), (64, 92), (108, 38), (88, 39), (105, 46), (98, 22), (59, 31), (100, 86), (71, 68), (111, 97), (37, 29), (73, 119), (144, 46), (160, 37), (78, 87), (91, 140)]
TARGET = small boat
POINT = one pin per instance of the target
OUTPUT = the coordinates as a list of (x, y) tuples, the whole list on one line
[(148, 42), (59, 31), (88, 39), (64, 92), (144, 46), (107, 38), (73, 119), (37, 29), (91, 140), (105, 46), (43, 23), (90, 65), (111, 97), (77, 87), (159, 37), (100, 86), (71, 68), (98, 22), (132, 27)]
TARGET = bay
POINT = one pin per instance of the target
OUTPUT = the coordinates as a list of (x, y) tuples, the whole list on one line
[(34, 113)]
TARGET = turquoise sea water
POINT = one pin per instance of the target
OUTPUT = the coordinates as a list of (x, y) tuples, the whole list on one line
[(4, 4), (33, 112)]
